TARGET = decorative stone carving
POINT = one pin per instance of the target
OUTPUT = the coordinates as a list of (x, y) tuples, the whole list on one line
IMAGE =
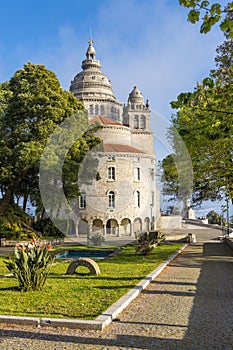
[(86, 262)]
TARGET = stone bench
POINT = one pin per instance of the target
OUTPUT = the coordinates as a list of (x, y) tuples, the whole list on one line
[(92, 266)]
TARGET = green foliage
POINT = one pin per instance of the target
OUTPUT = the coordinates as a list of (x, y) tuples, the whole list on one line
[(30, 265), (32, 105), (82, 296), (205, 122), (193, 16), (148, 241), (8, 232), (214, 218), (48, 229), (15, 224), (211, 14), (170, 176)]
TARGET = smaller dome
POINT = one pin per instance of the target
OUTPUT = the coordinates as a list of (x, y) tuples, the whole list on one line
[(90, 54), (135, 96)]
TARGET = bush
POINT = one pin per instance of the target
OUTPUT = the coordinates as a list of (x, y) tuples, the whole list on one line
[(48, 229), (148, 241), (30, 265)]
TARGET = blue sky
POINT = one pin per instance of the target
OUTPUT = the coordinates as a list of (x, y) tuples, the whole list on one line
[(145, 43)]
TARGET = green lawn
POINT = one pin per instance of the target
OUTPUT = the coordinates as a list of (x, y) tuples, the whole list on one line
[(81, 296)]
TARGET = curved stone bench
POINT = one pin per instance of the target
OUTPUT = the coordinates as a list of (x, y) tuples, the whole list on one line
[(86, 262)]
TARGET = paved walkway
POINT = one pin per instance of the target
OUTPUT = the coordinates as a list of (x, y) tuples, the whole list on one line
[(189, 306)]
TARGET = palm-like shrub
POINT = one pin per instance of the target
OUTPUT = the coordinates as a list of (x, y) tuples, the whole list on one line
[(30, 265), (148, 241)]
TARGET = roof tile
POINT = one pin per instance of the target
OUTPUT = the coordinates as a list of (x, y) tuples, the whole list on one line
[(116, 147), (103, 121)]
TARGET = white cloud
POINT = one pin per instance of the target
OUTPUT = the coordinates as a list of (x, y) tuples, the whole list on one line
[(144, 43), (162, 56), (147, 43)]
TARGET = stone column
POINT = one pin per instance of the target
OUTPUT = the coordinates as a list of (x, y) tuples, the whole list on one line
[(118, 231), (89, 233), (131, 229), (76, 228), (104, 230)]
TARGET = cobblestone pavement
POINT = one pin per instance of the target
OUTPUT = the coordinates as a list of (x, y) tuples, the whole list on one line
[(188, 306)]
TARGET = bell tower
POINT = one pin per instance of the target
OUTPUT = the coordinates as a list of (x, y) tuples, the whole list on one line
[(136, 115)]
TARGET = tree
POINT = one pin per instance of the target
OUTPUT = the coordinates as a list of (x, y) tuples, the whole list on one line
[(170, 176), (214, 218), (205, 122), (32, 106), (213, 13)]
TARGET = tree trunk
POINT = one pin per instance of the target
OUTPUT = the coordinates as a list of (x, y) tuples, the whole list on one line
[(8, 199), (25, 199)]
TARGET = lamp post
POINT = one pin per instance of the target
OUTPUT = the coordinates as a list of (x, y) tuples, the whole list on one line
[(228, 219)]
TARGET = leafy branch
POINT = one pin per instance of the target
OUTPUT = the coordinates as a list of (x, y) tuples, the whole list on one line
[(211, 14)]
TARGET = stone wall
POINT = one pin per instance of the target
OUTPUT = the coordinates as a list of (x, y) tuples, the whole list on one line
[(115, 134), (143, 140), (124, 187), (229, 242), (170, 223)]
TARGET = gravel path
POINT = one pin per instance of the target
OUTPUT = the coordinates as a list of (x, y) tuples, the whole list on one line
[(188, 306)]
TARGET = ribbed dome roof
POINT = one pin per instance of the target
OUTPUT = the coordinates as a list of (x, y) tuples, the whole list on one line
[(91, 83), (135, 96)]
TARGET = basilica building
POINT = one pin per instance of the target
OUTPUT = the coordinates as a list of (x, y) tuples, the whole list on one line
[(124, 199)]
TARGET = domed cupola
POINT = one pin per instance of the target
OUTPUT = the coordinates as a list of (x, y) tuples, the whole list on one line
[(91, 62), (135, 96), (94, 89), (90, 54)]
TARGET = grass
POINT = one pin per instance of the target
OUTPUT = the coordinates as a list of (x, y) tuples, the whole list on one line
[(81, 296)]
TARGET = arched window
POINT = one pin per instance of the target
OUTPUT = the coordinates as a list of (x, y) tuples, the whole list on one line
[(137, 199), (142, 122), (82, 200), (91, 110), (111, 199), (136, 122), (96, 109), (112, 112), (102, 110)]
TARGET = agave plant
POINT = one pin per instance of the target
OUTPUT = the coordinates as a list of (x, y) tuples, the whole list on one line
[(148, 241), (30, 265)]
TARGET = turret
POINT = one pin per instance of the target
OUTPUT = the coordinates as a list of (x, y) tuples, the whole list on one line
[(136, 113), (94, 89)]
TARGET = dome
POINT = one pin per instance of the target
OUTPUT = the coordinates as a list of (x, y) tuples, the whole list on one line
[(91, 84), (90, 54), (135, 96)]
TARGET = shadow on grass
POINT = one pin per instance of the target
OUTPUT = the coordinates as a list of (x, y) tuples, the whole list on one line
[(126, 287), (11, 288), (45, 314), (99, 278)]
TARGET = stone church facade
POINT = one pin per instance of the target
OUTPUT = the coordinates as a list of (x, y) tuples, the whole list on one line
[(124, 200)]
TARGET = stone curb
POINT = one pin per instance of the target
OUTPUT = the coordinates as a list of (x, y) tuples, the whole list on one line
[(101, 321)]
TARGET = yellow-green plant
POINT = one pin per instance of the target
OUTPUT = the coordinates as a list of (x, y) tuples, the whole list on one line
[(30, 265), (148, 241)]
